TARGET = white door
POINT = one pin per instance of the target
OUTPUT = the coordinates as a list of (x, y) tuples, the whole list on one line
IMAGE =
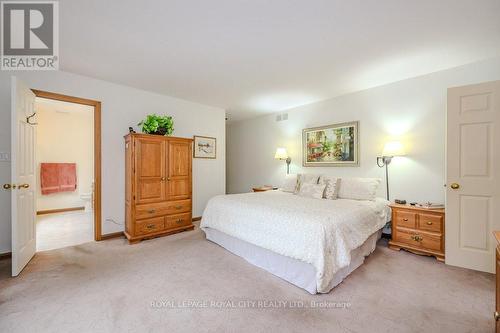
[(473, 175), (23, 176)]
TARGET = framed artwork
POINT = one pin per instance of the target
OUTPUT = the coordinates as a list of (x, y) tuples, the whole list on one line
[(332, 145), (204, 147)]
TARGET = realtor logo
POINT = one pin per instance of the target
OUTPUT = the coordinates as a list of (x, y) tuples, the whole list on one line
[(30, 35)]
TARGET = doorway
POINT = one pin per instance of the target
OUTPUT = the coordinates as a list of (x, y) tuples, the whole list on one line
[(67, 144), (23, 186)]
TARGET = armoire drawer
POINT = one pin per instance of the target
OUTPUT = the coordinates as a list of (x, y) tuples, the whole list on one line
[(152, 210), (179, 206), (175, 221), (149, 226)]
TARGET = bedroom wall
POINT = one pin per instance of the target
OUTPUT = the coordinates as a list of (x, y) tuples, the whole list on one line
[(65, 137), (412, 111), (121, 107)]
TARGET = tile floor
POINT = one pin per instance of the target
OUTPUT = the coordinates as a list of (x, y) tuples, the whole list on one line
[(54, 231)]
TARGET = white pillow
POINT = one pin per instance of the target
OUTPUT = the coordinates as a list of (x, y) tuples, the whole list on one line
[(312, 190), (358, 188), (289, 184), (332, 186), (303, 178)]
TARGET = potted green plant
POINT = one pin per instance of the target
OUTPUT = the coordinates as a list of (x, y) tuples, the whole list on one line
[(157, 125)]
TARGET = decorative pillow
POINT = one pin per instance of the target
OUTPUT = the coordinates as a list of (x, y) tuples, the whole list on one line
[(289, 184), (312, 190), (358, 188), (332, 186), (303, 178)]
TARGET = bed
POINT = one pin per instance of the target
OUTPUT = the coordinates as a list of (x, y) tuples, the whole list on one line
[(312, 243)]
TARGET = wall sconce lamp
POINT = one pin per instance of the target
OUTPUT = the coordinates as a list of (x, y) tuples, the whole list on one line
[(391, 149), (281, 154)]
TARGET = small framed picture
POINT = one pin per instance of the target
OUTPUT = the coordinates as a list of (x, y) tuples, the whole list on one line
[(204, 147)]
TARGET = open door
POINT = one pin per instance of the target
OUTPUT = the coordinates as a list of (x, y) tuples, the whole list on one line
[(473, 175), (23, 176)]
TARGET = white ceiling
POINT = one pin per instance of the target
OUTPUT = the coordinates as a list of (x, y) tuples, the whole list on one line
[(252, 57)]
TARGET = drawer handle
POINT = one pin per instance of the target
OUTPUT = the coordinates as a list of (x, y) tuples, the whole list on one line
[(429, 223), (150, 226), (178, 207), (151, 211), (406, 220), (416, 238), (179, 221)]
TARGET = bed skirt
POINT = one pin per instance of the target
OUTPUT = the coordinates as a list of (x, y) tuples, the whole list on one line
[(295, 271)]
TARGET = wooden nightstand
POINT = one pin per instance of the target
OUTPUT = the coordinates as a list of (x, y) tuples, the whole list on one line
[(418, 230), (262, 188)]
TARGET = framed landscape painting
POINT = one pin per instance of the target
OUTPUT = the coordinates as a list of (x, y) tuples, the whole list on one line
[(332, 145), (204, 147)]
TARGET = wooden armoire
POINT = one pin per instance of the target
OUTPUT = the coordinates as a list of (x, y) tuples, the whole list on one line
[(158, 186)]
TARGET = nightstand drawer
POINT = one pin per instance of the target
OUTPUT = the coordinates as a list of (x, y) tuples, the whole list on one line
[(430, 222), (430, 242), (406, 236), (406, 219)]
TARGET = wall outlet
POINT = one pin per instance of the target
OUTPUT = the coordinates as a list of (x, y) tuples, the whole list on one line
[(4, 157)]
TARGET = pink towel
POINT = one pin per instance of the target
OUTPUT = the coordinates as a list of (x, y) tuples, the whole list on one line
[(67, 177), (57, 177)]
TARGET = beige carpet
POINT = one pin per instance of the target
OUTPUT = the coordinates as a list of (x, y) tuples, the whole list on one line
[(184, 283)]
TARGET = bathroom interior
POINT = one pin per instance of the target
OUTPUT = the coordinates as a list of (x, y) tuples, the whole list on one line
[(65, 173)]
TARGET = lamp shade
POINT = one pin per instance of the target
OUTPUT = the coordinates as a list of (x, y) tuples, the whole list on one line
[(393, 148), (281, 154)]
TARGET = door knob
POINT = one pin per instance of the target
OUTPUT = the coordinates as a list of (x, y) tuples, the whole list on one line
[(455, 186), (8, 186), (24, 186)]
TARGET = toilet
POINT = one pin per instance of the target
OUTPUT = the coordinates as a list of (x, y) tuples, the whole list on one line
[(87, 198)]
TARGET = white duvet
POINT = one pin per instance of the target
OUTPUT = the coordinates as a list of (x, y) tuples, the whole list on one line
[(318, 231)]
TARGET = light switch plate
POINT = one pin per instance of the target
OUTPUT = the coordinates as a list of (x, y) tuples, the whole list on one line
[(4, 157)]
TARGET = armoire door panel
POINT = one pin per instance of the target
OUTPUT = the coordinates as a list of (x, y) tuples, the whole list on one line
[(150, 170), (179, 170), (179, 159), (179, 189)]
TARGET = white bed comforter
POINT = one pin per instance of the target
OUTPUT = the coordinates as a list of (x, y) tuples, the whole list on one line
[(320, 232)]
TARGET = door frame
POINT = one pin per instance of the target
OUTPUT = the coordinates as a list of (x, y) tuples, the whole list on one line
[(97, 149)]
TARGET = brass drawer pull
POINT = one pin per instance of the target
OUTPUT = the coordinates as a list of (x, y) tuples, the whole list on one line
[(178, 207), (416, 238), (150, 226), (179, 221), (429, 223), (406, 220), (152, 211)]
